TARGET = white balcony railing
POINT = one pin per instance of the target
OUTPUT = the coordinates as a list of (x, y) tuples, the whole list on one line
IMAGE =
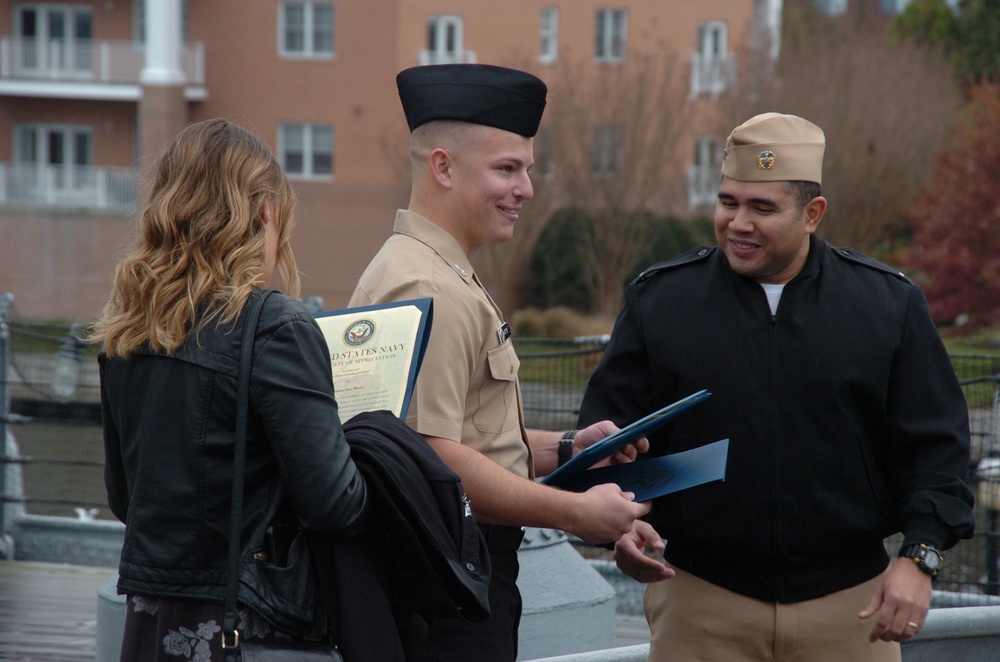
[(87, 61), (78, 187), (454, 57), (712, 75), (703, 186)]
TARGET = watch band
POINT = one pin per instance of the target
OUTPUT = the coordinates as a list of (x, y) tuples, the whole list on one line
[(927, 557), (565, 451)]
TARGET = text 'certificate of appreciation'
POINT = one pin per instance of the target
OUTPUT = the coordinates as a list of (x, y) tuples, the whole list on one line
[(375, 354)]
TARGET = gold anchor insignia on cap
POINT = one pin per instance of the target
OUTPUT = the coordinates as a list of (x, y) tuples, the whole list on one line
[(765, 160)]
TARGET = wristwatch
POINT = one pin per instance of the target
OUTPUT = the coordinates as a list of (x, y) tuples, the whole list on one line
[(927, 557), (566, 447)]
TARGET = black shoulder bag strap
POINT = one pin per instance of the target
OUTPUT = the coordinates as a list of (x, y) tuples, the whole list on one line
[(230, 635)]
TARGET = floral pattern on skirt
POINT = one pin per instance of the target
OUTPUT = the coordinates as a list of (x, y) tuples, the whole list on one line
[(164, 630)]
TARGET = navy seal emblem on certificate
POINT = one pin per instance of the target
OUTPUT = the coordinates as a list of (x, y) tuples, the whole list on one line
[(359, 333)]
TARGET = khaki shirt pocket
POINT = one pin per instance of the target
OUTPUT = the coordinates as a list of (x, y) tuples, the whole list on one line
[(497, 410)]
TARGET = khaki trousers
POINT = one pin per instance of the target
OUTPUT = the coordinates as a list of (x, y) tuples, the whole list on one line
[(693, 620)]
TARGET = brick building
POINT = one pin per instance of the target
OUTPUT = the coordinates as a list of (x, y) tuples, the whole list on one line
[(91, 89)]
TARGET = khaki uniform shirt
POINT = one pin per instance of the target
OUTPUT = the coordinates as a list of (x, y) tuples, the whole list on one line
[(467, 389)]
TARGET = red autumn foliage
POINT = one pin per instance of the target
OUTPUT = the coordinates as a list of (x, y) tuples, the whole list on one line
[(956, 220)]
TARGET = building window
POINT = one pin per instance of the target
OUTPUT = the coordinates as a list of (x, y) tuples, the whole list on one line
[(712, 66), (53, 39), (307, 29), (54, 158), (607, 156), (838, 7), (444, 42), (548, 35), (896, 6), (609, 37), (705, 173), (53, 167), (306, 150), (544, 149), (55, 145)]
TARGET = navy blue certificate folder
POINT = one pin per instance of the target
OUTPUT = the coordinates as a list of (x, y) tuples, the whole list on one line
[(576, 474), (654, 477)]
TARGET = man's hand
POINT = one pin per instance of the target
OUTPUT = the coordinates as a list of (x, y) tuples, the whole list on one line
[(592, 434), (899, 603), (602, 514), (605, 514), (631, 559)]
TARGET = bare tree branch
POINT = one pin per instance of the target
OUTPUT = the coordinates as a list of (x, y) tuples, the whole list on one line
[(608, 145), (886, 107)]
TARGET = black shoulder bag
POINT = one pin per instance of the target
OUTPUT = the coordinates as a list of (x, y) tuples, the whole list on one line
[(234, 649)]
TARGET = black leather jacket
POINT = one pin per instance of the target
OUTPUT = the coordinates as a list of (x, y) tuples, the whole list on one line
[(168, 435)]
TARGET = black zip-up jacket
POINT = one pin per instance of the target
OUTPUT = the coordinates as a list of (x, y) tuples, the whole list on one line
[(845, 418), (169, 427), (432, 555), (421, 555)]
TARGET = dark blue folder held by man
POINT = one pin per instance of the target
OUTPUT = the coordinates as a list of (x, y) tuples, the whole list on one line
[(647, 478)]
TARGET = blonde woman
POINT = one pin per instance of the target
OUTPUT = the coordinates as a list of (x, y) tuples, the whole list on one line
[(214, 225)]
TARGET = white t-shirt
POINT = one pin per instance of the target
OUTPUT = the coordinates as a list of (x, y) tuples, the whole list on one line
[(773, 293)]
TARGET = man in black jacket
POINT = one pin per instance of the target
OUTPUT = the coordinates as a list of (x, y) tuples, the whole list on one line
[(845, 419)]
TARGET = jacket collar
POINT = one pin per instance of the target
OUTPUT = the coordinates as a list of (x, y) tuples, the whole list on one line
[(811, 268)]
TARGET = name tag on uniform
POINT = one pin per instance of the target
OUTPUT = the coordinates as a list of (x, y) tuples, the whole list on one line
[(503, 331)]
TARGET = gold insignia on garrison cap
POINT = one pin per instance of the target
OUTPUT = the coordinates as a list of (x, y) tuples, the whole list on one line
[(752, 149)]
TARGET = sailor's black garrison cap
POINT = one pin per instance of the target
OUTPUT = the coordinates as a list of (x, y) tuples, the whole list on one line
[(495, 96)]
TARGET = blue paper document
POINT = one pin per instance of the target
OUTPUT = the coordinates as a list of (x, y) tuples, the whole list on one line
[(618, 440), (654, 477)]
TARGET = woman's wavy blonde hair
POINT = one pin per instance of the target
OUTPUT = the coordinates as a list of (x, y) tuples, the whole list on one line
[(200, 247)]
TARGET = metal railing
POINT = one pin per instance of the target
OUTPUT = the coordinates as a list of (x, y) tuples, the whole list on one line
[(87, 60), (51, 386), (6, 440), (68, 186)]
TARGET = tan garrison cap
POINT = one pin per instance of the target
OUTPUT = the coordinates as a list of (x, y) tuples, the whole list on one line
[(775, 148)]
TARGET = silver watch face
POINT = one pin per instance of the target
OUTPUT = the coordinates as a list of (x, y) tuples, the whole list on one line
[(931, 558)]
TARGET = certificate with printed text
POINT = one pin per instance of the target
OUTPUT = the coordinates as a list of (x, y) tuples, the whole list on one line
[(375, 354)]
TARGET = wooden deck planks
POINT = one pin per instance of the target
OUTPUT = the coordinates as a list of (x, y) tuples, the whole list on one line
[(48, 611)]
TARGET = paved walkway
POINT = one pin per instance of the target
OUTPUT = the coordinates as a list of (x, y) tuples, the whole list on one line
[(48, 613)]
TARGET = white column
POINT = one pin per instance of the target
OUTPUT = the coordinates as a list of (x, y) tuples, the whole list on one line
[(163, 43)]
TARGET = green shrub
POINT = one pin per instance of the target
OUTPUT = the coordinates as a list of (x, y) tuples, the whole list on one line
[(555, 270), (558, 322)]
